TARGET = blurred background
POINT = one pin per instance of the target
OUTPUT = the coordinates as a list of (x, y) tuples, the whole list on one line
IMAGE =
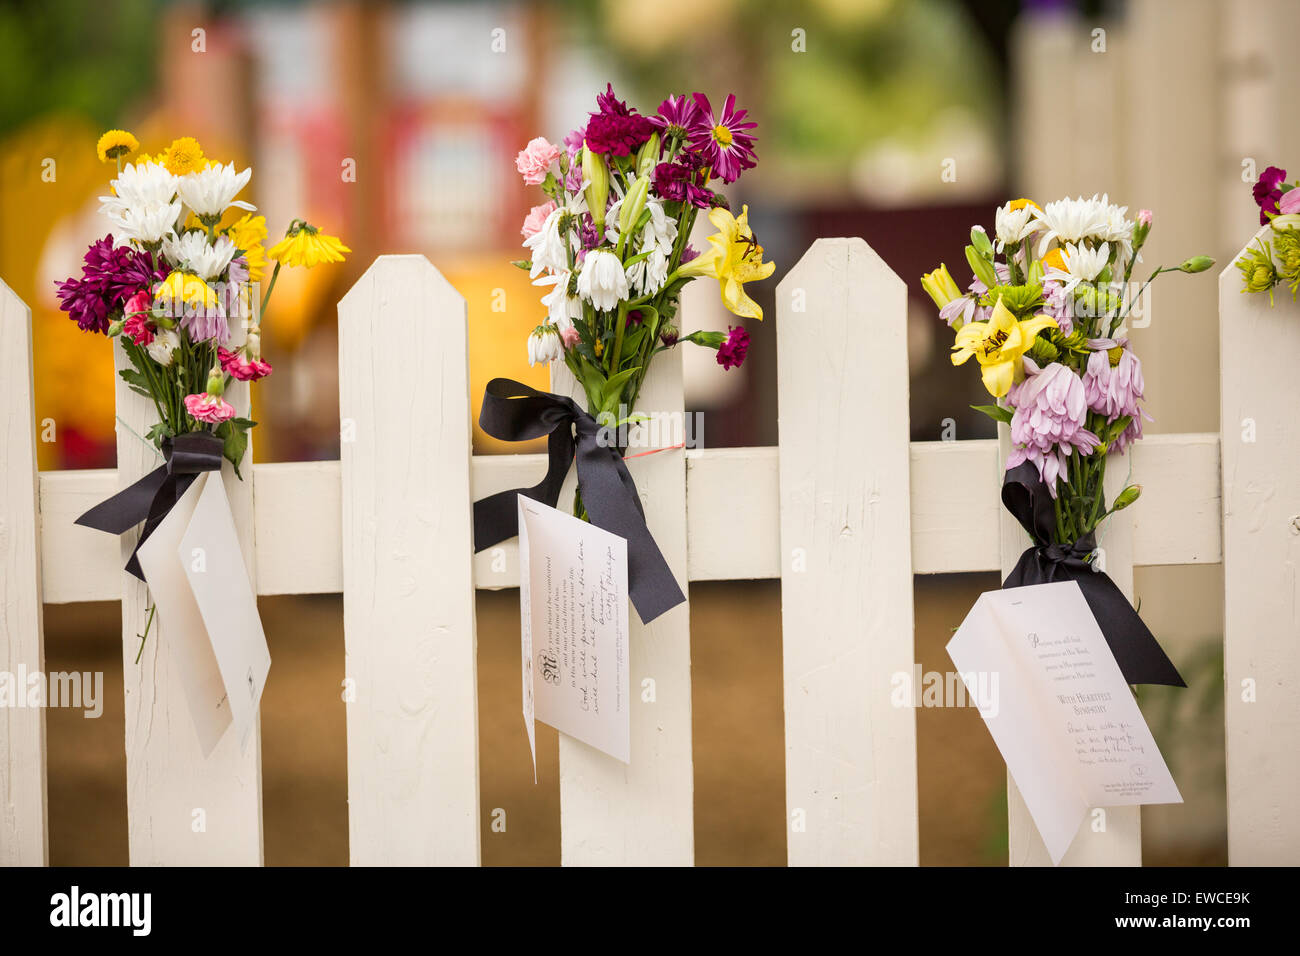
[(395, 125)]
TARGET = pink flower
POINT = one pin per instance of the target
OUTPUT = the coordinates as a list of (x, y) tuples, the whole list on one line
[(212, 409), (731, 354), (534, 160), (1144, 217), (1113, 392), (570, 337), (142, 301), (1290, 202), (237, 365), (536, 218), (137, 329), (1048, 423)]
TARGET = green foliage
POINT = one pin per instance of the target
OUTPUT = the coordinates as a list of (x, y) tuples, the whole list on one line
[(995, 412), (70, 56), (234, 436)]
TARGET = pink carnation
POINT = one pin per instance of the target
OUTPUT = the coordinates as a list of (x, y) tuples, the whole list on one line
[(536, 218), (237, 365), (138, 330), (570, 337), (534, 160), (212, 409)]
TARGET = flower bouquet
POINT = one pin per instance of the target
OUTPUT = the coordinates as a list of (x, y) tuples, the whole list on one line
[(181, 266), (1045, 319), (611, 242), (1271, 264)]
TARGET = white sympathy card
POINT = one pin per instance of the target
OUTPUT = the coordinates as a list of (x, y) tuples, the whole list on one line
[(1063, 717), (573, 637), (208, 611)]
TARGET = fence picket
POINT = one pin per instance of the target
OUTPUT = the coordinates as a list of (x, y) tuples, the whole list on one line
[(182, 809), (1110, 836), (643, 813), (408, 587), (846, 559), (1260, 400), (23, 834)]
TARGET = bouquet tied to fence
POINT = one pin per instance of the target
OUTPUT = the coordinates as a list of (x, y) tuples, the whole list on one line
[(612, 244), (1277, 261), (181, 269), (1045, 318)]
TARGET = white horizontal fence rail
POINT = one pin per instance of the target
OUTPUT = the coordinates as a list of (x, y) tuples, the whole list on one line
[(1260, 418), (833, 512)]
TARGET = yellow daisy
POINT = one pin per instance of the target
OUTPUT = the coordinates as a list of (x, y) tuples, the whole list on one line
[(184, 155), (115, 144), (305, 245), (247, 234), (186, 287)]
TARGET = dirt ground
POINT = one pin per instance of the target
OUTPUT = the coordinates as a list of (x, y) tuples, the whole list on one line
[(738, 735)]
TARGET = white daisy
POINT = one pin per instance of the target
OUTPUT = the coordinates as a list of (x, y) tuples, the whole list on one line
[(544, 345), (1013, 226), (562, 309), (549, 248), (143, 205), (602, 281), (1071, 220), (211, 191), (1082, 264), (193, 250), (164, 343)]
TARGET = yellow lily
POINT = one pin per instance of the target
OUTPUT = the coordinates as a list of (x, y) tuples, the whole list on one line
[(999, 344), (736, 258), (940, 286)]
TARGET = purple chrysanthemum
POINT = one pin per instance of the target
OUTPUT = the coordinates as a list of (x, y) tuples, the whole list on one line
[(731, 354), (677, 182), (676, 115), (723, 141), (109, 276), (615, 128), (1267, 192)]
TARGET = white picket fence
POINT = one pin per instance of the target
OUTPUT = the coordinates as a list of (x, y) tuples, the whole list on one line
[(844, 510)]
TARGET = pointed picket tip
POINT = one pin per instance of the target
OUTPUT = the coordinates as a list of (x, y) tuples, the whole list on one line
[(868, 265), (1230, 270), (396, 270)]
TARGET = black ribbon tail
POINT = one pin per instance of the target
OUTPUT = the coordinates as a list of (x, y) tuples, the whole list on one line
[(513, 411), (1139, 655), (151, 498)]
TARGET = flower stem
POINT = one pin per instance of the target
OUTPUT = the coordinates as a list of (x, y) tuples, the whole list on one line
[(148, 624), (269, 289)]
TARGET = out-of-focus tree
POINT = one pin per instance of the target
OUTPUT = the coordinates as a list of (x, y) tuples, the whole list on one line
[(89, 59)]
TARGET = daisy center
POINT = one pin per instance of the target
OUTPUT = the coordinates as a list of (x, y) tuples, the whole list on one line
[(722, 135)]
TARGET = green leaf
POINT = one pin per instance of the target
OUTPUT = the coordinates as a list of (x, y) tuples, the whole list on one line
[(235, 443), (613, 388), (995, 412)]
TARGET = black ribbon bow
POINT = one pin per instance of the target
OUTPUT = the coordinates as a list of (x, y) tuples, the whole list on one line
[(514, 412), (152, 498), (1139, 655)]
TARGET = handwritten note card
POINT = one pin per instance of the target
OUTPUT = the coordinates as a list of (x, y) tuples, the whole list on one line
[(208, 612), (1066, 723), (574, 639)]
